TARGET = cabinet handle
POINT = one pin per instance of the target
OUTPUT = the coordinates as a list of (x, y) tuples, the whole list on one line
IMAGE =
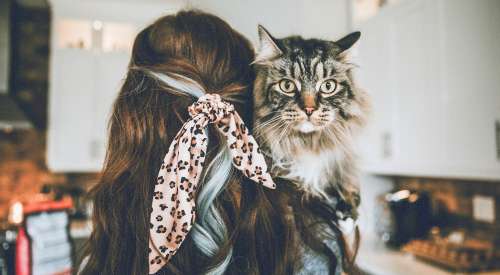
[(386, 145), (95, 149), (497, 138)]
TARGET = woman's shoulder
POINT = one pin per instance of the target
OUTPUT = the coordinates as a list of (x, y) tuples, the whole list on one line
[(313, 262)]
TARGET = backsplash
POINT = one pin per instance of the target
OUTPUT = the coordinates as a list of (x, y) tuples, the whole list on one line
[(23, 169), (452, 200)]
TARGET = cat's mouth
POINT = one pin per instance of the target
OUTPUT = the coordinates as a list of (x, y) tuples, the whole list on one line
[(304, 124), (307, 126)]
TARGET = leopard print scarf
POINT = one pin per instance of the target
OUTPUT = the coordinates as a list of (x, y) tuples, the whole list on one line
[(173, 206)]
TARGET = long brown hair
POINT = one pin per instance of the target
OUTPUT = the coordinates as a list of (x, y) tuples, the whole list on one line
[(146, 115)]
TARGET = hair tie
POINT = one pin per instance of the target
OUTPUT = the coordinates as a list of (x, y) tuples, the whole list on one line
[(173, 206)]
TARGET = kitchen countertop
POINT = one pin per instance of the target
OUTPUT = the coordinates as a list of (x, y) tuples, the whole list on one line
[(80, 229), (376, 259)]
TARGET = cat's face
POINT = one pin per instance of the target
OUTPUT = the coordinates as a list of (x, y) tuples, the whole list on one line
[(304, 85)]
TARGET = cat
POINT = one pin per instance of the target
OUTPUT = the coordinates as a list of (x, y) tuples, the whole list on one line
[(307, 110)]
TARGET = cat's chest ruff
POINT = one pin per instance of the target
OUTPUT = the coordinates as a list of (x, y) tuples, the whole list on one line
[(313, 171)]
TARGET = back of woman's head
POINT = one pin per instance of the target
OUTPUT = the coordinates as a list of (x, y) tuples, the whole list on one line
[(174, 60), (196, 45)]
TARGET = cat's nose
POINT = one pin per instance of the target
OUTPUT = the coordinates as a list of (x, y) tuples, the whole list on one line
[(309, 111)]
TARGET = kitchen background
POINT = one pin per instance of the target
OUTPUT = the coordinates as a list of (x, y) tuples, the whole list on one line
[(430, 157)]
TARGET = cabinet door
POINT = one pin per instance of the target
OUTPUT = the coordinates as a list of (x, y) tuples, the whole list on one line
[(84, 86), (398, 65), (471, 58), (442, 103), (416, 84), (111, 69), (70, 112), (373, 55)]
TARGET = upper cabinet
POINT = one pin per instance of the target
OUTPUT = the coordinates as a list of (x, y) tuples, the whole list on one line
[(432, 70), (471, 78), (90, 49)]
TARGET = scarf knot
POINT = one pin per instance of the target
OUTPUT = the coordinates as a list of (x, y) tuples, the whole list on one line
[(211, 106)]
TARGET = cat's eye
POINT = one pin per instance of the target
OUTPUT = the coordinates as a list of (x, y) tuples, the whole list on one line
[(287, 86), (328, 86)]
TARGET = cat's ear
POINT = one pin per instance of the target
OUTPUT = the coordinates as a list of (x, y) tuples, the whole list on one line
[(347, 41), (268, 49)]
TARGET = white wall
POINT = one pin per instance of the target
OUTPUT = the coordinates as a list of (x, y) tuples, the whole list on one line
[(327, 19), (143, 11)]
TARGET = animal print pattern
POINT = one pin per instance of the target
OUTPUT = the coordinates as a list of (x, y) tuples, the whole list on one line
[(173, 206)]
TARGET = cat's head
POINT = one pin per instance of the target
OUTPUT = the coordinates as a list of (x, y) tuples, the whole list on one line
[(305, 85)]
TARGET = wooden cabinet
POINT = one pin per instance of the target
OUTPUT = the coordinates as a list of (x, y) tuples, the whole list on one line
[(432, 70)]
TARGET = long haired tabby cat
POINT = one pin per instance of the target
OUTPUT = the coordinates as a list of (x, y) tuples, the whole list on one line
[(307, 108)]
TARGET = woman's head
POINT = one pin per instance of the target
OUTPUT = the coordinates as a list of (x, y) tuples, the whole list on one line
[(198, 46), (173, 60)]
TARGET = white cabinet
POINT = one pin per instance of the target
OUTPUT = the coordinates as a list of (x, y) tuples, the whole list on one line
[(471, 65), (68, 110), (84, 87), (375, 72), (90, 49), (415, 82), (110, 72), (432, 70)]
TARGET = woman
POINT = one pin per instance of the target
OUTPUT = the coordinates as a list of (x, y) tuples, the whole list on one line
[(240, 227)]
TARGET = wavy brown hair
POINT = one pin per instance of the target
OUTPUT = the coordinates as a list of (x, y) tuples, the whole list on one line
[(258, 229)]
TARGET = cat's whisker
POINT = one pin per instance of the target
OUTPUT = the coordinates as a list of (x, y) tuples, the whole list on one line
[(266, 126), (263, 131), (282, 128), (284, 132), (266, 123)]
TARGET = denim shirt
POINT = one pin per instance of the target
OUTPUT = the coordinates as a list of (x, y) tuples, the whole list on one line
[(314, 263)]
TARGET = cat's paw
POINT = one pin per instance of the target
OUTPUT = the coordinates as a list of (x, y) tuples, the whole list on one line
[(347, 207)]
